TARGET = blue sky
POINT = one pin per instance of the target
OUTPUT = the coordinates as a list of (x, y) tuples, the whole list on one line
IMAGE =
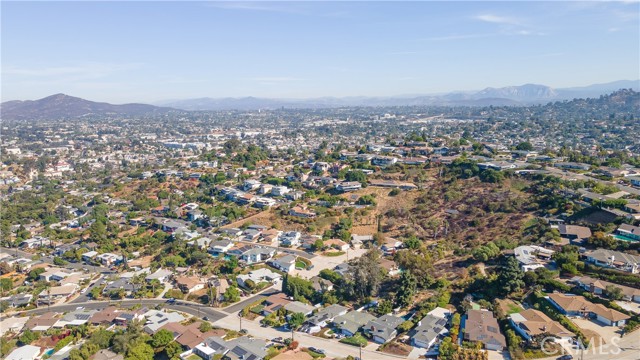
[(150, 51)]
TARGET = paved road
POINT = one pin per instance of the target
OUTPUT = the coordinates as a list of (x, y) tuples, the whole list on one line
[(49, 260), (187, 307)]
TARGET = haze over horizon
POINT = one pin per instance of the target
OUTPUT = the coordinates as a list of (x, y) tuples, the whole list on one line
[(123, 52)]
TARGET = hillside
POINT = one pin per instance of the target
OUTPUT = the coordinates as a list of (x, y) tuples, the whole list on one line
[(61, 106)]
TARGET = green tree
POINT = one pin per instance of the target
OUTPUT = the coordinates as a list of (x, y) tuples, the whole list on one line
[(613, 292), (525, 145), (27, 337), (161, 338), (406, 290), (295, 321), (172, 350), (232, 294), (511, 277), (6, 284), (140, 351), (384, 307)]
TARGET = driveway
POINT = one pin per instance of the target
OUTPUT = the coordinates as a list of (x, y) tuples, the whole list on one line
[(634, 307), (327, 262), (606, 332)]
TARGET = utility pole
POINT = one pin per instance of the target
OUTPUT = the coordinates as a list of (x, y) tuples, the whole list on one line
[(360, 347)]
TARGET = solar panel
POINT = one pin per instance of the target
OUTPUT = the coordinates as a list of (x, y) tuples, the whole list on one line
[(83, 316)]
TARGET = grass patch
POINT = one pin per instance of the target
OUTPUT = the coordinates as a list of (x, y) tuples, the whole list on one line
[(333, 253), (300, 264), (314, 354), (257, 309), (355, 340)]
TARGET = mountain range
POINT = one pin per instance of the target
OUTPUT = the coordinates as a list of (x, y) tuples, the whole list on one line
[(64, 106), (512, 95), (60, 106)]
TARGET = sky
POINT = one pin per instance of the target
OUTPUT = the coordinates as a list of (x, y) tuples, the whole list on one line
[(151, 51)]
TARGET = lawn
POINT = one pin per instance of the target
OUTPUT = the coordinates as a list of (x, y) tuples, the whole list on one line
[(300, 265), (314, 354), (333, 253), (356, 340)]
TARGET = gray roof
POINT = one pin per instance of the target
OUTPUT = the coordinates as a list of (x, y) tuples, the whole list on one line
[(429, 328), (384, 326), (327, 314), (604, 256), (353, 320), (298, 307)]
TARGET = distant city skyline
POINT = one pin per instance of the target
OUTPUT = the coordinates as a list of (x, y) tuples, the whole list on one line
[(152, 51)]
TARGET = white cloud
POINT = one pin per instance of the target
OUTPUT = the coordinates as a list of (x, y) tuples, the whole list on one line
[(497, 19)]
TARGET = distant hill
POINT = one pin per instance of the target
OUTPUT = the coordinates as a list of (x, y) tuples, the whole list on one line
[(64, 106), (61, 106), (511, 96)]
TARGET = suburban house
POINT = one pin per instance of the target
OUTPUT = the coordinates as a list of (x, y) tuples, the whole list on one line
[(75, 318), (158, 318), (428, 331), (220, 246), (346, 186), (274, 303), (270, 236), (530, 323), (171, 226), (109, 259), (532, 257), (575, 305), (302, 211), (239, 348), (250, 184), (614, 259), (286, 263), (161, 275), (290, 238), (383, 161), (574, 233), (299, 307), (337, 244), (56, 293), (263, 202), (279, 190), (34, 243), (189, 284), (383, 328), (258, 276), (349, 323), (599, 287), (629, 231), (321, 285), (390, 246), (25, 352), (480, 325), (252, 254), (43, 322), (324, 317)]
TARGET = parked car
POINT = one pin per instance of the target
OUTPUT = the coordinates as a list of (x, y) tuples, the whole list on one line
[(278, 340), (315, 350), (566, 357)]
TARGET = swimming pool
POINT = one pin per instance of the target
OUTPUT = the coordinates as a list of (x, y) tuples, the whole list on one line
[(623, 238)]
